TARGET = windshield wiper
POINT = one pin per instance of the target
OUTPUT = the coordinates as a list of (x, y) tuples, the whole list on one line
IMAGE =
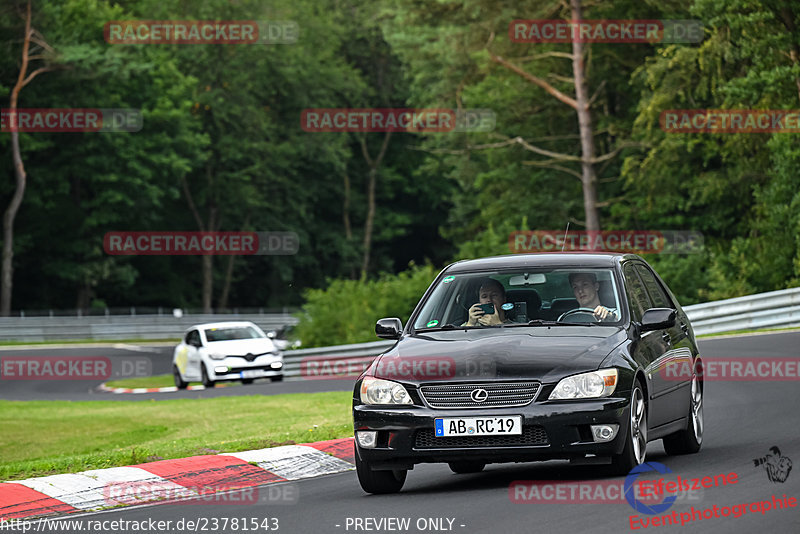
[(444, 327), (542, 322)]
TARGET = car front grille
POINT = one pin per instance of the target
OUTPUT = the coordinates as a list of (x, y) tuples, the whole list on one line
[(250, 357), (531, 436), (498, 395), (254, 368)]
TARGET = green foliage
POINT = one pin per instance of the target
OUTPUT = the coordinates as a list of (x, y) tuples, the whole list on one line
[(224, 120), (346, 312)]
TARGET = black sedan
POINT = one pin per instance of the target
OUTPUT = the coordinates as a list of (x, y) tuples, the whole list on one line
[(585, 357)]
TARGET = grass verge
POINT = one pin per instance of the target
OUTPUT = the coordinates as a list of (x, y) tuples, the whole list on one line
[(47, 437)]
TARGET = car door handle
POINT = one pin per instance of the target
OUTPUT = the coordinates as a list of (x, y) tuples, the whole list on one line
[(666, 337)]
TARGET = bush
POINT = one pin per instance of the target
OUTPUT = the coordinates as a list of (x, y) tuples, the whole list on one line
[(347, 310)]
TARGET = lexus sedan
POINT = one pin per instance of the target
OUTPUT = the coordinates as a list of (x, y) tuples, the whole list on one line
[(232, 350), (576, 356)]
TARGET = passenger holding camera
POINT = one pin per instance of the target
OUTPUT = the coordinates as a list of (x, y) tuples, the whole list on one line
[(491, 297)]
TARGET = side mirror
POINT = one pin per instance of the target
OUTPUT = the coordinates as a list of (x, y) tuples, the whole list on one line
[(388, 328), (658, 319), (271, 334)]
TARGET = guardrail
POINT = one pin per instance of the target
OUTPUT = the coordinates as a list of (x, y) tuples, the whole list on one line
[(775, 309), (325, 362), (111, 327)]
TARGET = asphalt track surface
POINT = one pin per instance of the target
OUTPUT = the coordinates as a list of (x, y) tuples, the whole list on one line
[(743, 420), (159, 360)]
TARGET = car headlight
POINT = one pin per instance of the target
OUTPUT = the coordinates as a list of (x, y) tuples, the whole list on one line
[(215, 356), (599, 383), (379, 391)]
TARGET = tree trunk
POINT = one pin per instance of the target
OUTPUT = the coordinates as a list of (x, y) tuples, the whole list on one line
[(588, 176), (348, 229), (371, 182), (222, 303), (348, 232), (208, 260), (208, 281), (8, 219), (7, 268), (369, 221)]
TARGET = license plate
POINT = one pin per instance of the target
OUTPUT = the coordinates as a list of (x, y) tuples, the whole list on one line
[(478, 426), (251, 374)]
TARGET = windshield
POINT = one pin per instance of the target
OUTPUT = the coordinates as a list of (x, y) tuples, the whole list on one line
[(230, 333), (523, 297)]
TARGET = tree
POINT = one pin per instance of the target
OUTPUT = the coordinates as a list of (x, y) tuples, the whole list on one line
[(30, 36)]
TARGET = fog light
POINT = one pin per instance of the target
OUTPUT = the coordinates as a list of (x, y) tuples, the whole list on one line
[(602, 433), (221, 370), (276, 365), (367, 439)]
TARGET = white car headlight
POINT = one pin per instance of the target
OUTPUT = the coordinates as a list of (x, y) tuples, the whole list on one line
[(379, 391), (596, 384), (215, 356)]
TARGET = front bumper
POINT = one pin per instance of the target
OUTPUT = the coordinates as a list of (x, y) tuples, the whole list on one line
[(551, 430), (239, 368)]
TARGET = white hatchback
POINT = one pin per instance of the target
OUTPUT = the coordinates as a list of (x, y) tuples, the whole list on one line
[(234, 350)]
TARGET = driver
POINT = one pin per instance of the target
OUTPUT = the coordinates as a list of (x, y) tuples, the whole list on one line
[(585, 287), (490, 292)]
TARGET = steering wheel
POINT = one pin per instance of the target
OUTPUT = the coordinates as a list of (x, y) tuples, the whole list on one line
[(586, 311)]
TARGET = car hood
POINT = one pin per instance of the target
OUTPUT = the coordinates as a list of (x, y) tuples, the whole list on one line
[(241, 347), (543, 354)]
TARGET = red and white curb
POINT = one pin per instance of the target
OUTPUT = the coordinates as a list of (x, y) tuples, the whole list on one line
[(169, 389), (182, 478)]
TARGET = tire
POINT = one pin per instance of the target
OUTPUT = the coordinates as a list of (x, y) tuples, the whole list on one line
[(278, 378), (207, 382), (690, 439), (176, 377), (378, 482), (635, 449), (247, 381), (462, 468)]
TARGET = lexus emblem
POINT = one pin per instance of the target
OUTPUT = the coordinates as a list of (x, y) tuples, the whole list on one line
[(479, 395)]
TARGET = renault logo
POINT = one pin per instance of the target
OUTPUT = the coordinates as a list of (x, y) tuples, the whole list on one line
[(479, 395)]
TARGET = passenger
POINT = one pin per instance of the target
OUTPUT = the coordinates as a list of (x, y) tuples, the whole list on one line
[(586, 287), (491, 292)]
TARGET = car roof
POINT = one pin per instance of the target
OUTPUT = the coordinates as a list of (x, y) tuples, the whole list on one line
[(223, 324), (545, 259)]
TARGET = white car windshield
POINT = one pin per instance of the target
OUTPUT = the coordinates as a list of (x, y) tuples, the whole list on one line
[(231, 333), (565, 295)]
